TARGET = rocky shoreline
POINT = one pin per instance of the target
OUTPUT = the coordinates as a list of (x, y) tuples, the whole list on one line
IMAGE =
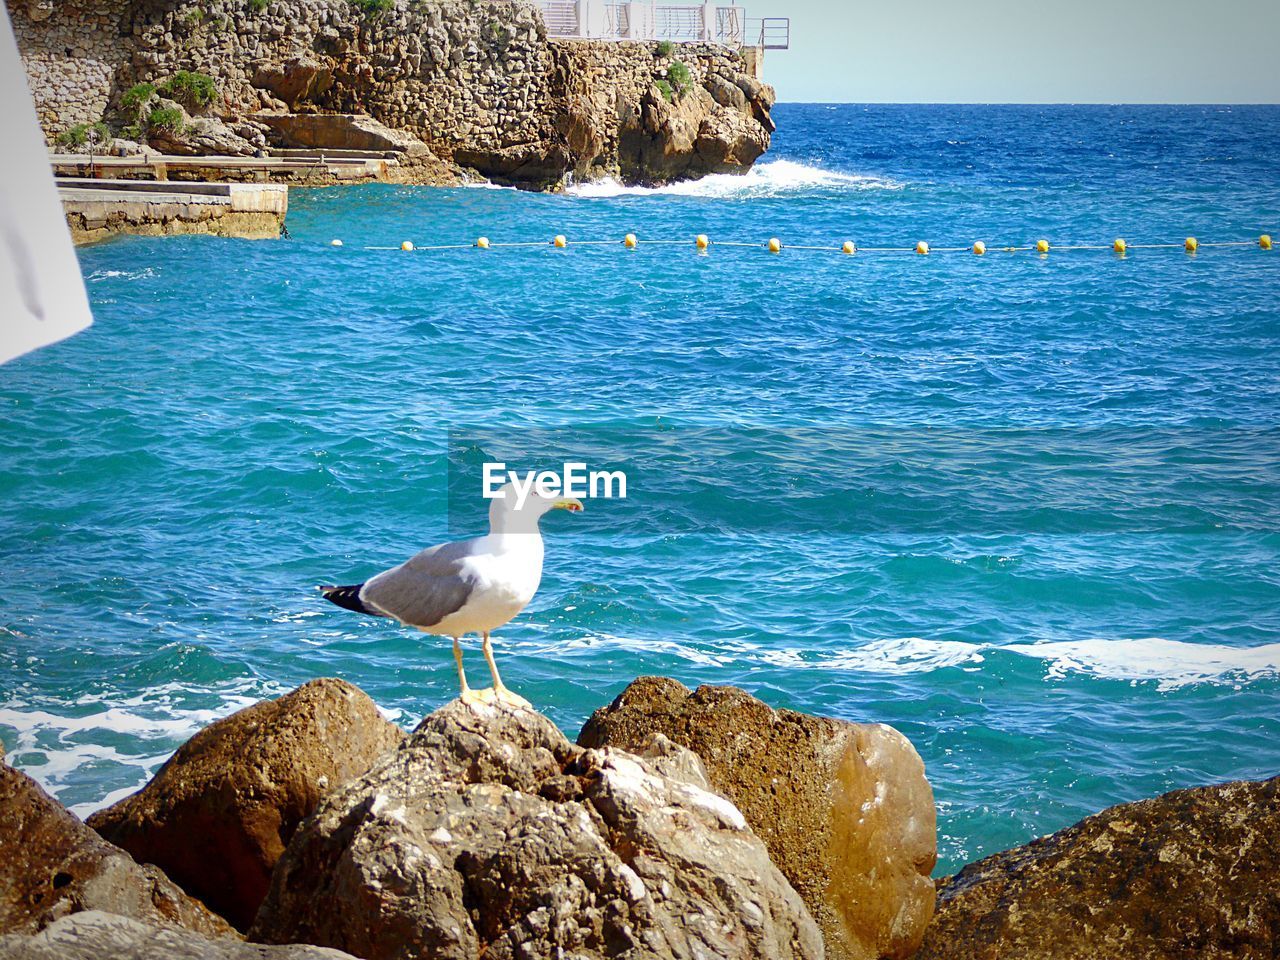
[(681, 824), (455, 90)]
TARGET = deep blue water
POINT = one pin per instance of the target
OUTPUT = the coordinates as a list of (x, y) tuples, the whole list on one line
[(1026, 509)]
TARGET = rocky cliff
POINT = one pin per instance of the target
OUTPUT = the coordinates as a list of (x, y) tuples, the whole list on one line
[(479, 84)]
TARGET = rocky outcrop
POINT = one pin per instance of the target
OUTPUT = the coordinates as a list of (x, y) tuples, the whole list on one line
[(94, 935), (1190, 874), (219, 813), (480, 85), (204, 136), (490, 835), (844, 808), (52, 865), (340, 131), (296, 80)]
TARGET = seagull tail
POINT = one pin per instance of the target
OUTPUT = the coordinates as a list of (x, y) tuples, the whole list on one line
[(348, 598)]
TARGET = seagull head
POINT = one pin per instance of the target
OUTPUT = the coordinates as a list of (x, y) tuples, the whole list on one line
[(508, 514)]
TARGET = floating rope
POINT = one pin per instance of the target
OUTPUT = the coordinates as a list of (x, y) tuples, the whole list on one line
[(773, 245)]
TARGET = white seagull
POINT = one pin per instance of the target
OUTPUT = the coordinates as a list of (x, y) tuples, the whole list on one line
[(468, 586)]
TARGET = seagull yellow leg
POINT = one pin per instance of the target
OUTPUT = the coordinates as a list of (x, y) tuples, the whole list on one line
[(501, 693), (468, 695)]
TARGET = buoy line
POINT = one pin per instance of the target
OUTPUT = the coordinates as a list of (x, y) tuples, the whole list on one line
[(703, 244)]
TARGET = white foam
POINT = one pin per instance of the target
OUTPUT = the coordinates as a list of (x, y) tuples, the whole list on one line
[(907, 655), (54, 747), (99, 275), (775, 178), (1171, 664)]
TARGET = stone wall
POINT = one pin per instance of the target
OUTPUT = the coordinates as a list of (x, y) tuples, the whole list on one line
[(73, 53), (478, 82)]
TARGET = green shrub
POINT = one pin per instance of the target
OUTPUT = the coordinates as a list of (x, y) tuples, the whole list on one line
[(131, 132), (165, 118), (679, 76), (664, 88), (84, 133), (665, 48), (372, 8), (257, 6), (137, 97), (192, 89)]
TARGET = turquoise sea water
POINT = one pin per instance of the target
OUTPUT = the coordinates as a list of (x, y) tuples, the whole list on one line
[(1025, 509)]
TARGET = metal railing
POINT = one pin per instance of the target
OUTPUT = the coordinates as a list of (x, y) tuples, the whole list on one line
[(730, 26), (560, 16), (681, 24), (771, 33), (618, 19), (687, 23)]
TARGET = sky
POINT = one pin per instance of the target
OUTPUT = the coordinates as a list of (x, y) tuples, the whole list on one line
[(1024, 51)]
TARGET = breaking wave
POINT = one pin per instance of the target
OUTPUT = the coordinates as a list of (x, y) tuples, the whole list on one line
[(57, 743), (772, 179), (1169, 664)]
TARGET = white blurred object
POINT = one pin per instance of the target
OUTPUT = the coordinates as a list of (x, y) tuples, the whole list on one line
[(42, 297)]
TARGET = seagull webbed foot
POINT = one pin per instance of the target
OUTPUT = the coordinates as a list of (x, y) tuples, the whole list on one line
[(474, 698), (509, 698)]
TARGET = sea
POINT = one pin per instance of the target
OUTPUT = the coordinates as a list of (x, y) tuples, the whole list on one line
[(1023, 507)]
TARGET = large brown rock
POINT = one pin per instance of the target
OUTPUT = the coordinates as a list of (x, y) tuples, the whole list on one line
[(52, 865), (340, 131), (295, 80), (1190, 875), (844, 808), (490, 835), (94, 935), (199, 136), (217, 816)]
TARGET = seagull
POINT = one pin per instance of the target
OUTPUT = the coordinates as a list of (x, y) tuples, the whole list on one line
[(467, 586)]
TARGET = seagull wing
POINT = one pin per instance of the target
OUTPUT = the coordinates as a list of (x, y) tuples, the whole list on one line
[(426, 588)]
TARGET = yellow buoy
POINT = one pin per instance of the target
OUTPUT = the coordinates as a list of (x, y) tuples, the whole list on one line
[(1264, 241), (335, 243), (775, 245), (630, 241), (979, 247), (1119, 246), (407, 245), (702, 241), (1042, 246), (1191, 244), (922, 248), (483, 243), (560, 241), (848, 247)]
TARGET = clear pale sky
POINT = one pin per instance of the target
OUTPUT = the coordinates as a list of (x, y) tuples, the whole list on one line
[(1024, 51)]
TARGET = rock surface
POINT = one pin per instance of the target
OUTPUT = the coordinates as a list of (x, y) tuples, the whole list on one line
[(844, 808), (94, 935), (340, 131), (219, 813), (490, 835), (52, 865), (202, 136), (1190, 875)]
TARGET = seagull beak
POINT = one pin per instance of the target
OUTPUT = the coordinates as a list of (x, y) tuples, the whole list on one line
[(572, 504)]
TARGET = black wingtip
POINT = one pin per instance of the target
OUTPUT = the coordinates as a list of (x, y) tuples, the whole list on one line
[(347, 597)]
